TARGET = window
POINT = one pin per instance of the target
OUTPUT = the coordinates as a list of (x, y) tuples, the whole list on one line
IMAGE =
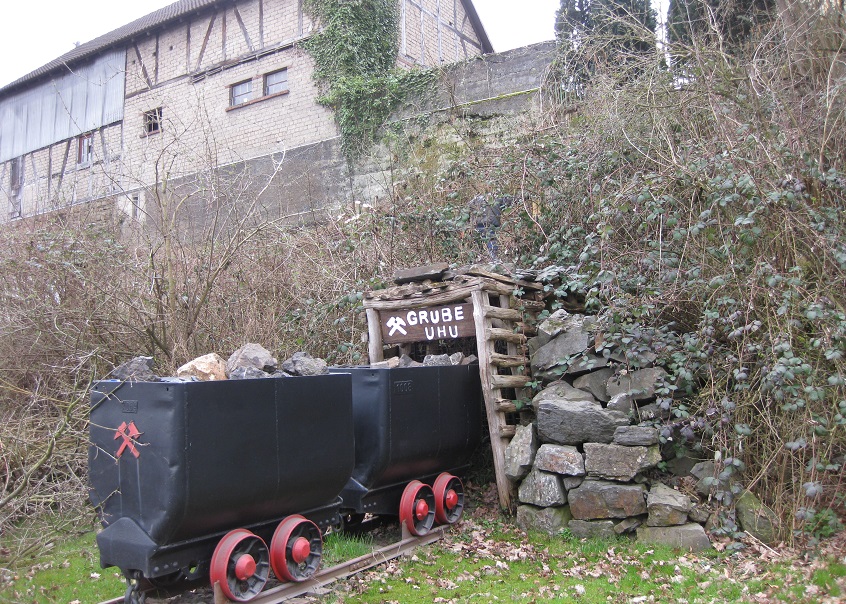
[(153, 121), (16, 178), (275, 81), (16, 175), (240, 93), (85, 149)]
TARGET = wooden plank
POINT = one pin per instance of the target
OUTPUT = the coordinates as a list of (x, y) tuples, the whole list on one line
[(530, 305), (507, 314), (507, 431), (497, 288), (480, 271), (419, 300), (507, 360), (506, 406), (374, 337), (495, 419), (420, 273), (509, 381), (506, 335), (427, 324), (512, 349)]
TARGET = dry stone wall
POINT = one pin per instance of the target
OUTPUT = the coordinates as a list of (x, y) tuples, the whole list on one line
[(588, 461)]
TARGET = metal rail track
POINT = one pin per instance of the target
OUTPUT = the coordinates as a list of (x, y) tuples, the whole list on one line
[(286, 591)]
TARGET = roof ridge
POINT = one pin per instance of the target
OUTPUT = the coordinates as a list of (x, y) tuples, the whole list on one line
[(141, 25)]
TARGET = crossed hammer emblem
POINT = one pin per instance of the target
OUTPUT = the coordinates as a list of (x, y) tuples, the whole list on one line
[(129, 433)]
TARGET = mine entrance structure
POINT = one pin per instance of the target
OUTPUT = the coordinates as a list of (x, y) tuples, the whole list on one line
[(435, 305)]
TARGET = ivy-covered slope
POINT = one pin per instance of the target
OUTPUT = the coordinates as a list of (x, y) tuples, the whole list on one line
[(700, 213)]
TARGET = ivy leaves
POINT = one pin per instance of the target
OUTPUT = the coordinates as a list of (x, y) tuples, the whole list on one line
[(355, 56)]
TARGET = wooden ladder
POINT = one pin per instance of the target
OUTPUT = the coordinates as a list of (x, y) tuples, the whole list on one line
[(496, 322), (498, 318)]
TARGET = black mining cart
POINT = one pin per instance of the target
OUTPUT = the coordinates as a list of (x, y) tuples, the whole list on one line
[(414, 427), (195, 479)]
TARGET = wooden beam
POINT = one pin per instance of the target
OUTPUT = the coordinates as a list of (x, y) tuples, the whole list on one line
[(506, 335), (530, 305), (205, 41), (420, 273), (374, 337), (498, 288), (144, 73), (509, 381), (223, 34), (506, 314), (243, 29), (495, 419), (507, 360), (261, 21), (446, 296), (156, 62), (62, 172), (506, 406)]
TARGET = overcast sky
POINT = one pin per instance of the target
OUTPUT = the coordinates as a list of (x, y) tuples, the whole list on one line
[(34, 32)]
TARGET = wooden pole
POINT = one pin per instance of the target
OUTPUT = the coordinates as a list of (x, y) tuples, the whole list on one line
[(496, 423), (374, 336)]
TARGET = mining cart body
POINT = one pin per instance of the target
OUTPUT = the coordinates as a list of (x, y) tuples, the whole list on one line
[(174, 465), (410, 424)]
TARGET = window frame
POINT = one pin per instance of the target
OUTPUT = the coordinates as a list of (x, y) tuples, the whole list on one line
[(238, 99), (16, 183), (85, 149), (152, 121), (266, 86)]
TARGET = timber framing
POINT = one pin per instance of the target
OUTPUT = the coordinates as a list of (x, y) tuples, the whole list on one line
[(502, 320)]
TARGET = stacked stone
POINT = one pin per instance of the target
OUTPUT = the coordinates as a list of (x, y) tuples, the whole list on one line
[(251, 361), (581, 465), (431, 360)]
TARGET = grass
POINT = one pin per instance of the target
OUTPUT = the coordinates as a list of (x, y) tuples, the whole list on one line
[(338, 547), (64, 572), (593, 571), (503, 566), (488, 560)]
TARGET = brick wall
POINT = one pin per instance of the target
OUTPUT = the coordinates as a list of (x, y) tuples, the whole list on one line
[(433, 32), (186, 71)]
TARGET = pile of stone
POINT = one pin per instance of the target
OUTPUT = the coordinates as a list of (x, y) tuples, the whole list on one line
[(598, 489), (251, 361), (430, 360), (583, 463)]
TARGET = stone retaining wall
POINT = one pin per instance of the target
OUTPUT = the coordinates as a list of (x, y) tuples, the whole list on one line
[(588, 463)]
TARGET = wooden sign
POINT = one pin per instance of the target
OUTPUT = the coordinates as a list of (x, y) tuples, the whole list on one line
[(427, 324)]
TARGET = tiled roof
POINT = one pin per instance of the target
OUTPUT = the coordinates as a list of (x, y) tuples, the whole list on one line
[(159, 18), (122, 34)]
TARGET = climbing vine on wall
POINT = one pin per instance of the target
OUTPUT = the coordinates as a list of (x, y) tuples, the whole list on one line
[(355, 53)]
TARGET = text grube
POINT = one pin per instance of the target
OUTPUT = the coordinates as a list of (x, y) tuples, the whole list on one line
[(427, 324)]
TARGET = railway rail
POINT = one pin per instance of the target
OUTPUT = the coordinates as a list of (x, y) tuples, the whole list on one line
[(287, 591)]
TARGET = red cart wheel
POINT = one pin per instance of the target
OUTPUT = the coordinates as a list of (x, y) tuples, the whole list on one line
[(241, 564), (417, 508), (449, 498), (296, 549)]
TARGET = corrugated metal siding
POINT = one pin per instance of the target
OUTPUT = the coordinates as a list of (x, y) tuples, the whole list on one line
[(85, 99), (113, 38)]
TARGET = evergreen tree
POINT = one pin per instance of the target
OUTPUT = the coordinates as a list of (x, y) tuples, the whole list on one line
[(732, 20), (624, 27)]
